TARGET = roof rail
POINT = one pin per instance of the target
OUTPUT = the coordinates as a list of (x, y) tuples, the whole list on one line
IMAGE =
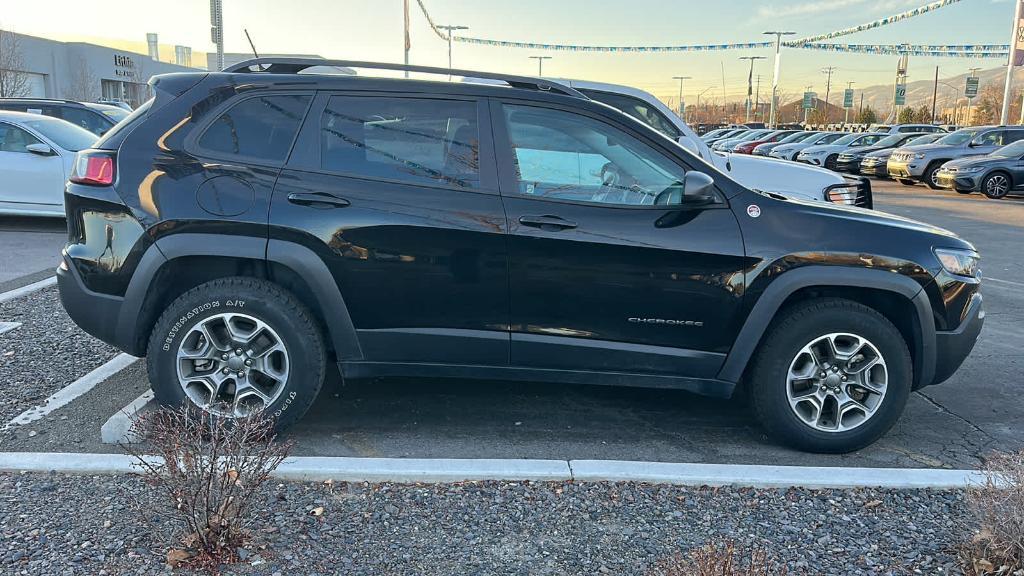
[(296, 65)]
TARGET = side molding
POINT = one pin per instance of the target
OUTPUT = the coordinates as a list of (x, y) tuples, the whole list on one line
[(789, 282)]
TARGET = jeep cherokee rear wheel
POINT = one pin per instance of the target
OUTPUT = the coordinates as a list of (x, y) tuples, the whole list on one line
[(235, 346), (832, 376), (931, 174)]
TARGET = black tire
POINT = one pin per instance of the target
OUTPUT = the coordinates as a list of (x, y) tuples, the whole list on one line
[(830, 162), (906, 181), (990, 191), (256, 298), (929, 174), (790, 332)]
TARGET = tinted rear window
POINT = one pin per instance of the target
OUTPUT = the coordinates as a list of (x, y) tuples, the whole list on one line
[(260, 128), (407, 139)]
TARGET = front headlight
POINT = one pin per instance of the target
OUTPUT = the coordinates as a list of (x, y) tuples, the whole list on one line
[(959, 262), (969, 169)]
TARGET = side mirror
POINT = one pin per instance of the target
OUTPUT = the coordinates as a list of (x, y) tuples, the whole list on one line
[(40, 149), (698, 188)]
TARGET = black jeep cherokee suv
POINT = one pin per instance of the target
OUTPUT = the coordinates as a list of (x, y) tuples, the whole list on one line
[(245, 228)]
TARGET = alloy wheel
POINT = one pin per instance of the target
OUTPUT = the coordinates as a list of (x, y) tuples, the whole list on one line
[(232, 365), (836, 382), (997, 186)]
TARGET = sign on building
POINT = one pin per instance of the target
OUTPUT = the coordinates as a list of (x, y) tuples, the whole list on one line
[(848, 98), (971, 90)]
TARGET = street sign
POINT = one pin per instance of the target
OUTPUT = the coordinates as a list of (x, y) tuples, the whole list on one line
[(972, 87), (901, 94), (809, 98), (848, 98)]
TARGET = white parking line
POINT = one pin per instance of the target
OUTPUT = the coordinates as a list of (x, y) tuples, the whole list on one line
[(319, 469), (19, 292), (1000, 281), (65, 395), (8, 326)]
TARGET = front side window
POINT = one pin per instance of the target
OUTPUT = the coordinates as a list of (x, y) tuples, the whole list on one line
[(14, 139), (566, 156), (638, 109), (990, 138), (261, 128), (407, 139)]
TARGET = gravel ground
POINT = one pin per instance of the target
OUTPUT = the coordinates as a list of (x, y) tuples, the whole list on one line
[(52, 524), (47, 352)]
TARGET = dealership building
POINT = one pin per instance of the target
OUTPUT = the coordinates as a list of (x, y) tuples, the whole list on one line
[(89, 72)]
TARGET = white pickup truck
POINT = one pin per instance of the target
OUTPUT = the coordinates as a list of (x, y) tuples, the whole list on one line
[(757, 172)]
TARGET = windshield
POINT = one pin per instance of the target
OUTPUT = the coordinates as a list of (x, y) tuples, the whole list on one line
[(827, 138), (63, 134), (114, 113), (926, 139), (958, 137), (797, 137), (1015, 150), (848, 139), (714, 133), (893, 140), (754, 135)]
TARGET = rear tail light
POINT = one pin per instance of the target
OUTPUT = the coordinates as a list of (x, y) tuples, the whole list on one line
[(94, 167)]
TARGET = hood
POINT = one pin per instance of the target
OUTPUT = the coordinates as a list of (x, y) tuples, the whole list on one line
[(823, 148), (928, 148), (975, 160), (790, 147), (881, 153), (865, 150)]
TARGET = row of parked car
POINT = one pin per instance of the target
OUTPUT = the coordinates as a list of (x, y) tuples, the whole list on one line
[(986, 159)]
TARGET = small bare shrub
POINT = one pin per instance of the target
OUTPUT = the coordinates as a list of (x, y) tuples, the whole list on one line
[(997, 511), (210, 475), (723, 559)]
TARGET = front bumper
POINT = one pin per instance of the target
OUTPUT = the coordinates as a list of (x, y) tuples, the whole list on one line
[(873, 169), (957, 181), (953, 347), (905, 169), (848, 165)]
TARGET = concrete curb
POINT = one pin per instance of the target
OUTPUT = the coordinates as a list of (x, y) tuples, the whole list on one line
[(757, 476), (407, 470), (24, 290), (117, 429)]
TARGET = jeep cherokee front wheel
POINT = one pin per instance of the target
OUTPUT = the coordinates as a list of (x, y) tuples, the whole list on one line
[(832, 376), (236, 346)]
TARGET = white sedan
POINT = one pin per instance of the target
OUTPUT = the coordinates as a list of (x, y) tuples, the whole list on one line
[(36, 156)]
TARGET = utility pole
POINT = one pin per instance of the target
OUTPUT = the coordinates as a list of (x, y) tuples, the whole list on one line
[(705, 102), (1004, 116), (540, 64), (408, 41), (775, 77), (750, 80), (828, 85), (935, 93), (682, 108), (849, 86), (451, 29), (860, 111), (217, 30), (807, 110), (757, 98)]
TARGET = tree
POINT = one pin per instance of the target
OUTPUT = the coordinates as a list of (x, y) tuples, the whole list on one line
[(867, 116), (83, 85), (13, 79), (906, 116), (923, 115)]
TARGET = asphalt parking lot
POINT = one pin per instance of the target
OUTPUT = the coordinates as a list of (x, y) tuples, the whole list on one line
[(951, 425)]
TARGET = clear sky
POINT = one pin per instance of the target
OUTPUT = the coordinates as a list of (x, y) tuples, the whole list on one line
[(372, 30)]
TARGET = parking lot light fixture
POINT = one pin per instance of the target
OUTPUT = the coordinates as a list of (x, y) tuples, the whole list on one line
[(540, 64), (682, 108), (450, 29), (775, 78)]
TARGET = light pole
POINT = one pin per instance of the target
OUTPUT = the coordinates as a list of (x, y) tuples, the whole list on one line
[(540, 64), (750, 80), (775, 78), (451, 29), (682, 108), (701, 94), (956, 101), (967, 121)]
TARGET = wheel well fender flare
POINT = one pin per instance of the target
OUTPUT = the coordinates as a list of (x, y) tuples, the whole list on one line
[(300, 259), (786, 284)]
